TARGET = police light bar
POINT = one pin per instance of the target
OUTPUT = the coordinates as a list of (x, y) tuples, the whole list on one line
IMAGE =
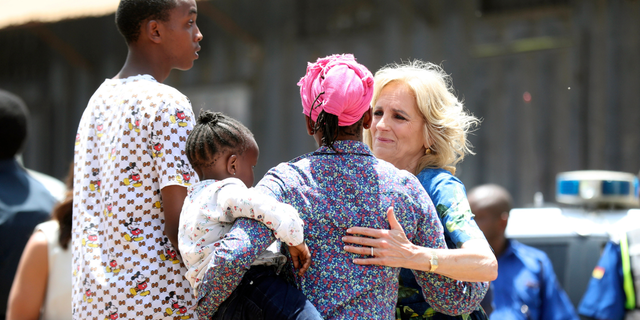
[(597, 188)]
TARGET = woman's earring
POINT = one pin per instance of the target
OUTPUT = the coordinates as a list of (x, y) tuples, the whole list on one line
[(428, 151)]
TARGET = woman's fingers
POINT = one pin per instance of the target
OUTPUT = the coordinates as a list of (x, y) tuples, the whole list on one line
[(369, 232), (393, 222), (361, 250), (362, 241), (370, 261), (378, 233)]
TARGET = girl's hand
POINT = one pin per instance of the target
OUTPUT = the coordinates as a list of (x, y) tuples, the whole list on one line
[(301, 257)]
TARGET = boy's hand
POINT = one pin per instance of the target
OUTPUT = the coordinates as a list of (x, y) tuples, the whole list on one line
[(301, 257)]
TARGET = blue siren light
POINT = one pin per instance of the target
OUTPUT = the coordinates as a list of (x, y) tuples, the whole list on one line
[(597, 188), (569, 187)]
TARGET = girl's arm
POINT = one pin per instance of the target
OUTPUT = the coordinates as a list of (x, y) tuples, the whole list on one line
[(30, 283), (239, 202)]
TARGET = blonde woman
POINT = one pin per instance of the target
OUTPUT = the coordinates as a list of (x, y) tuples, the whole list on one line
[(419, 125)]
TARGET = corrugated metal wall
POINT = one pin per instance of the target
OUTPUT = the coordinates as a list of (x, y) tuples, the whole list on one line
[(578, 60)]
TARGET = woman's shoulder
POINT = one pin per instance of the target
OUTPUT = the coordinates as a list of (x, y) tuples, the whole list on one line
[(431, 178), (49, 229)]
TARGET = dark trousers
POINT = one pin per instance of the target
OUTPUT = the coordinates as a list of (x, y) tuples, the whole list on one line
[(263, 294)]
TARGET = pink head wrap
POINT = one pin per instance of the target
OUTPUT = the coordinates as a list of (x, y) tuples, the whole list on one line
[(338, 85)]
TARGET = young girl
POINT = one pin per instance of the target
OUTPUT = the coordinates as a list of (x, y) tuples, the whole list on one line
[(223, 153)]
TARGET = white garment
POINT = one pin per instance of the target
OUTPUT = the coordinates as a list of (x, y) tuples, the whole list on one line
[(130, 144), (209, 211), (57, 301)]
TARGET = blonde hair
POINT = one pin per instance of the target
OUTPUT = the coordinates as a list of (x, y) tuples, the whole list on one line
[(447, 123)]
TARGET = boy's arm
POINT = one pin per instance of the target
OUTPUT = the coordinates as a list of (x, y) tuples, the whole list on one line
[(246, 240), (172, 199), (239, 202), (171, 164)]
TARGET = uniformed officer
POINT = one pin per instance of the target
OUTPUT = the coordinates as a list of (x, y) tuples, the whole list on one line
[(612, 292)]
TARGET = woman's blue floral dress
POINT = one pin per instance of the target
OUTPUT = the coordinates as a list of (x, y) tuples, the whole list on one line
[(449, 197)]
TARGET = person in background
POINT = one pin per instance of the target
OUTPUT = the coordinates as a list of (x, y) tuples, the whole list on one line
[(42, 286), (419, 125), (526, 287), (24, 202), (131, 172), (613, 292)]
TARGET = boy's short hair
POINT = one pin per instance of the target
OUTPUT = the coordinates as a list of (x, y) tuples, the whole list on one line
[(132, 13), (13, 124)]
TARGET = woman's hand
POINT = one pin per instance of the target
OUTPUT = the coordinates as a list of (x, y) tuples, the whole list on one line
[(387, 248), (301, 257)]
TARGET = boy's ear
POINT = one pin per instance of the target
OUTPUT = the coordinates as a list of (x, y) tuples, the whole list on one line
[(232, 164), (152, 30)]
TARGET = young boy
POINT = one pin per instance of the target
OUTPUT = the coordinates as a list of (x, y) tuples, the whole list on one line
[(129, 179), (223, 153)]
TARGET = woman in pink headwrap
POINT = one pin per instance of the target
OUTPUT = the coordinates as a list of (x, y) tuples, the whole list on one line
[(340, 185)]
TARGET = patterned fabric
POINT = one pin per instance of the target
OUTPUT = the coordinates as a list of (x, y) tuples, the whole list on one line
[(337, 190), (210, 209), (239, 247), (449, 196), (130, 145)]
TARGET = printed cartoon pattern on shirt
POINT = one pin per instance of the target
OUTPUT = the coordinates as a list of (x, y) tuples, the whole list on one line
[(127, 149), (176, 306)]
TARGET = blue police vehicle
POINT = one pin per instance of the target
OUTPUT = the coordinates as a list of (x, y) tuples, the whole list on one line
[(592, 207)]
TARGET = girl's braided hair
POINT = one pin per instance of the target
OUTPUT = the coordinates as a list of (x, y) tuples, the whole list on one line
[(213, 134)]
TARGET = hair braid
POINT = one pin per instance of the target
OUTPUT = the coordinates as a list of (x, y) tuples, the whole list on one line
[(213, 134), (328, 124)]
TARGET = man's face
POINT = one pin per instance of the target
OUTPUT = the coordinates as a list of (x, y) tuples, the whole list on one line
[(181, 35), (491, 223)]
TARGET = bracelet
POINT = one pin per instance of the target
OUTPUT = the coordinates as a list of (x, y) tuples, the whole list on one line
[(433, 261)]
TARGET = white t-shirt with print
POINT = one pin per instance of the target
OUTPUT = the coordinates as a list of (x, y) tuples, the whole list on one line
[(130, 144)]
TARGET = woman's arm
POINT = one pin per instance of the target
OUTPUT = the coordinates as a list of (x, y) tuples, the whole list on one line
[(30, 283), (443, 294), (474, 262)]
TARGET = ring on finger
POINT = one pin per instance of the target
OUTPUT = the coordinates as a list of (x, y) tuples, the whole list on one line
[(372, 251)]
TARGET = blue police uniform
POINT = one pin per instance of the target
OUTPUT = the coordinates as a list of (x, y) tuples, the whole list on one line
[(527, 287), (605, 297)]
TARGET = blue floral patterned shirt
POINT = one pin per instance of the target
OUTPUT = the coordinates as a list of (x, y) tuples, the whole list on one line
[(449, 197), (332, 192)]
